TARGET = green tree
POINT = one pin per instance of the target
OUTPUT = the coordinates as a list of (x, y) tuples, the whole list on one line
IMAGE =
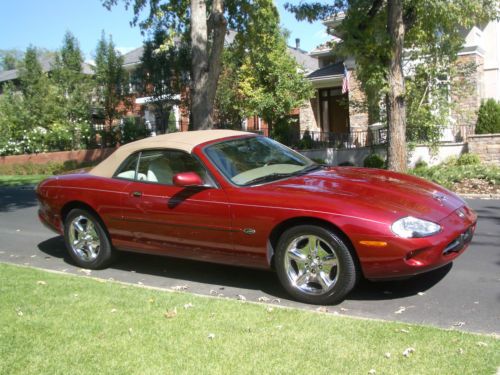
[(74, 87), (110, 78), (162, 71), (488, 118), (375, 33), (39, 96), (262, 78), (203, 26), (10, 58)]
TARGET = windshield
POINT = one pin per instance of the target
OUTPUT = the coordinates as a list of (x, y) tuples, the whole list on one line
[(253, 160)]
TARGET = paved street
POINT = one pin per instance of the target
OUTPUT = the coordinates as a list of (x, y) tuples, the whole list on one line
[(465, 295)]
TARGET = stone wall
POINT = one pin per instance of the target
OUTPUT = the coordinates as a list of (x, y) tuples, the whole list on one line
[(358, 110), (487, 146), (466, 89), (79, 156)]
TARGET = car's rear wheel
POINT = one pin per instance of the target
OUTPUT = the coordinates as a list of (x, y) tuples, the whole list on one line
[(86, 240), (315, 265)]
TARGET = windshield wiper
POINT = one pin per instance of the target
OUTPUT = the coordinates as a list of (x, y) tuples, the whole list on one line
[(269, 177), (310, 168)]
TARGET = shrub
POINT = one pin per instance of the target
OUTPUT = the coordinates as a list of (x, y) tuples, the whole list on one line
[(374, 161), (346, 164), (421, 164), (468, 159), (488, 117), (133, 129)]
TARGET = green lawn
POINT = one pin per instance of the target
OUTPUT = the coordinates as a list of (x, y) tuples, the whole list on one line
[(61, 324), (13, 180)]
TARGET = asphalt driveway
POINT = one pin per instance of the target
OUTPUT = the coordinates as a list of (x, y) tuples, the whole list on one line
[(464, 295)]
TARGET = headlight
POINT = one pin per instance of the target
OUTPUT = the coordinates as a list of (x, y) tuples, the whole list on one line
[(411, 227)]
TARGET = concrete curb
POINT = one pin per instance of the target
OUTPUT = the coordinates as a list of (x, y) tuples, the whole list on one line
[(479, 196)]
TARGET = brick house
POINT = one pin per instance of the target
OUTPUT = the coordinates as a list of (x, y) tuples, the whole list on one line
[(143, 105), (336, 112)]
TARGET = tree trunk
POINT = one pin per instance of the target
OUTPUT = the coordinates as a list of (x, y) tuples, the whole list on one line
[(396, 108), (206, 66)]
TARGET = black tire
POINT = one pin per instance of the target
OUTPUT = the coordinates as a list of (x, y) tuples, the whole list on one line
[(301, 278), (87, 255)]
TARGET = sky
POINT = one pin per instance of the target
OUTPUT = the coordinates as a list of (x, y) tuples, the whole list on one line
[(43, 23)]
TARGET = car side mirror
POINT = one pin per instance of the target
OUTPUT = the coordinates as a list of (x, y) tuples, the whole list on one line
[(186, 179)]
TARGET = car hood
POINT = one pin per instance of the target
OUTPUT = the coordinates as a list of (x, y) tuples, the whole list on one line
[(375, 189)]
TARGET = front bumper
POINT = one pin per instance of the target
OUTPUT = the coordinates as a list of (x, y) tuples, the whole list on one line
[(408, 257)]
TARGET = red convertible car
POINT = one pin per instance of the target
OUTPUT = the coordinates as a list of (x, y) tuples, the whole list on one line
[(242, 199)]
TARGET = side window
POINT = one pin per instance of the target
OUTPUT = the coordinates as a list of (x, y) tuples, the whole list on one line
[(160, 166), (128, 168)]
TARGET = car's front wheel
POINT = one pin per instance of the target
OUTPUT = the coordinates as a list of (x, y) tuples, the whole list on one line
[(315, 265), (86, 240)]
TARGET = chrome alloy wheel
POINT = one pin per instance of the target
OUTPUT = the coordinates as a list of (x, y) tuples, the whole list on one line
[(83, 238), (311, 265)]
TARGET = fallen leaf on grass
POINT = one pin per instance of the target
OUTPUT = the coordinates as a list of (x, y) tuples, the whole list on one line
[(171, 313), (263, 299), (114, 310), (460, 351), (269, 309), (404, 330), (480, 343), (188, 306), (372, 371), (387, 355), (211, 336), (19, 312), (408, 351), (179, 287), (151, 300), (41, 282)]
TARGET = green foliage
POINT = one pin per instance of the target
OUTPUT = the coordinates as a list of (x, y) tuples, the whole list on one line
[(374, 161), (73, 86), (468, 159), (133, 129), (260, 77), (449, 172), (110, 78), (9, 59), (488, 118), (47, 113), (50, 168)]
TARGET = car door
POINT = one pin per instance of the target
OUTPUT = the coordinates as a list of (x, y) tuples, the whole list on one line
[(190, 222)]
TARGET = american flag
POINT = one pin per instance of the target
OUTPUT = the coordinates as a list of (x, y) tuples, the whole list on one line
[(345, 81)]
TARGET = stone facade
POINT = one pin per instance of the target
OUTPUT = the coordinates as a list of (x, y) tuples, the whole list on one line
[(487, 146), (309, 116), (466, 90), (358, 110)]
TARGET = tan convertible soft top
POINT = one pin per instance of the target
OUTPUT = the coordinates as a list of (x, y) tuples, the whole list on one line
[(185, 141)]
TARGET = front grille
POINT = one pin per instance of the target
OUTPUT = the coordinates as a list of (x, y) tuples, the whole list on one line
[(458, 243)]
